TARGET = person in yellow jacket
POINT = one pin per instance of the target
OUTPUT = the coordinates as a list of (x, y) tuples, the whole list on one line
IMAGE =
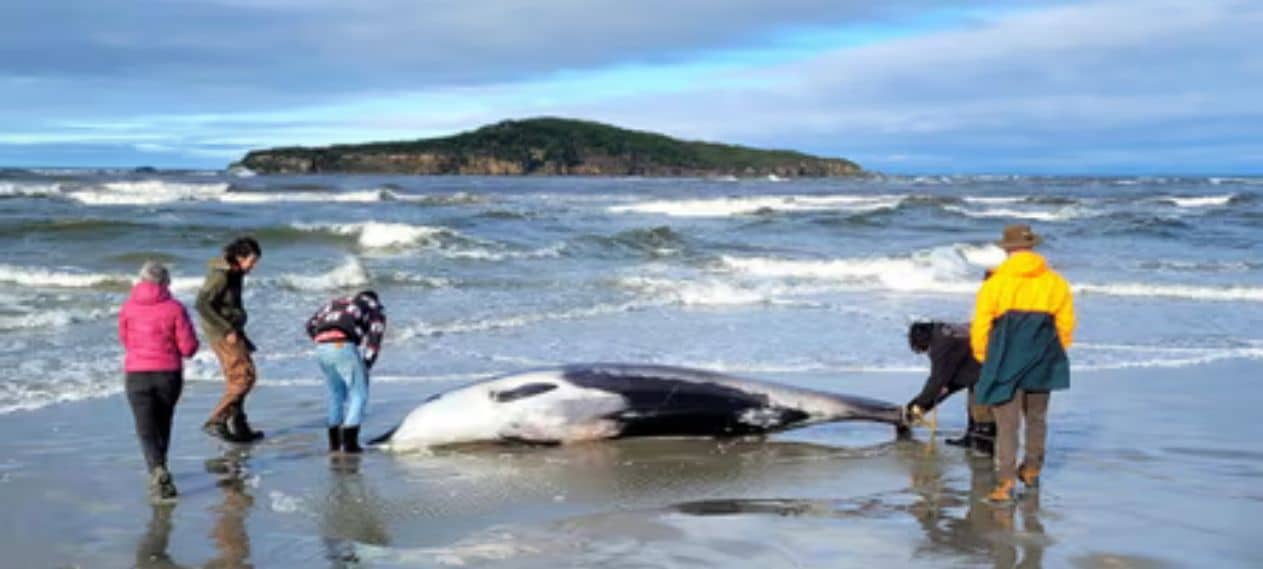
[(1023, 323)]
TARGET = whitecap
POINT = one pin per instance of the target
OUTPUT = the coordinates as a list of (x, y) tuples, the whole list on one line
[(517, 321), (993, 200), (697, 293), (28, 190), (729, 207), (361, 196), (50, 318), (347, 275), (147, 192), (376, 235), (1060, 214), (1196, 202), (1227, 293), (951, 269), (39, 277)]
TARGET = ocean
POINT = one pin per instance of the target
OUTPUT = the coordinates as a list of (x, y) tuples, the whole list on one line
[(812, 282), (487, 275)]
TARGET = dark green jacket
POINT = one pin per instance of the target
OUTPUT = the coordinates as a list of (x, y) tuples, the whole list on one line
[(1023, 352), (219, 301)]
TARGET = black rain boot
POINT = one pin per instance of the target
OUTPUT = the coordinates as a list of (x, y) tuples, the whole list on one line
[(335, 439), (351, 439), (966, 439), (240, 427), (984, 439)]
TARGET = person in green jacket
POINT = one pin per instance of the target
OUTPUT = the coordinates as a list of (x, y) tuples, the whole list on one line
[(223, 319)]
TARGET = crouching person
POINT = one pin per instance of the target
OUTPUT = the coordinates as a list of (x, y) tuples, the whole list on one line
[(156, 334), (339, 329), (952, 368)]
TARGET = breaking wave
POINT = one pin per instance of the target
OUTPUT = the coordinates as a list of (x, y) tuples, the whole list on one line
[(349, 274), (50, 318), (952, 269), (147, 192), (1199, 202), (728, 207), (48, 278), (1189, 292), (465, 326), (375, 235), (1066, 213)]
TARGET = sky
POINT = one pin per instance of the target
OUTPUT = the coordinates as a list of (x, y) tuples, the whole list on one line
[(1021, 86)]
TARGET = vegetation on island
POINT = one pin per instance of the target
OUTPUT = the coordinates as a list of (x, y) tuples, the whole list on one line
[(548, 146)]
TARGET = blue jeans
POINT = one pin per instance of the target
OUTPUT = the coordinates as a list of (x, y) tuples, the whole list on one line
[(345, 375)]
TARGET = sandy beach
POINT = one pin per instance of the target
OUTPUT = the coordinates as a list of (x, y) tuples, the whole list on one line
[(1140, 474)]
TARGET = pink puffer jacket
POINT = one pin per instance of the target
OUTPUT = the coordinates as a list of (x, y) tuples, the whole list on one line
[(155, 330)]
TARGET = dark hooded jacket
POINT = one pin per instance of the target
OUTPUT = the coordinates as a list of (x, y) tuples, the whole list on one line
[(952, 365)]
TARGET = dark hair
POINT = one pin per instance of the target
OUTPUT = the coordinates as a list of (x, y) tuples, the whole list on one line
[(369, 293), (241, 247), (919, 335)]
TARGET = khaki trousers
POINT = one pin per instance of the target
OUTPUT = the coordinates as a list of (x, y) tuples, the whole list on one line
[(239, 376), (1008, 416), (978, 412)]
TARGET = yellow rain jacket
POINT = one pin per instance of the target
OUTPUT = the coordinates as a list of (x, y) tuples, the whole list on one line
[(1023, 282)]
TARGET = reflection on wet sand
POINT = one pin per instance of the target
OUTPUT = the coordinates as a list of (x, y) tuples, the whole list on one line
[(983, 531), (232, 542), (151, 550), (351, 513)]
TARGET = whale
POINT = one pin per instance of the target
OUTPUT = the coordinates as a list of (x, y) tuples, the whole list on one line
[(589, 402)]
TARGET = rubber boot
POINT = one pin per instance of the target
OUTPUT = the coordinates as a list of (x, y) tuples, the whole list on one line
[(351, 439), (966, 439), (239, 426), (984, 439), (335, 439)]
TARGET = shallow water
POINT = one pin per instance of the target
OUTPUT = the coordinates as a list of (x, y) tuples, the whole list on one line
[(1154, 461), (1140, 474), (489, 275)]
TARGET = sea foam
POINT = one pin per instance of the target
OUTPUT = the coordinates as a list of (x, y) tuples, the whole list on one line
[(727, 207), (350, 273), (377, 235)]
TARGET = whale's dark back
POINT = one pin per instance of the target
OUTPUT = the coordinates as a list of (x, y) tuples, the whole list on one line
[(668, 401)]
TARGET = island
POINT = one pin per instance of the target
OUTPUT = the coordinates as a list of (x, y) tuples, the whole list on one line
[(549, 147)]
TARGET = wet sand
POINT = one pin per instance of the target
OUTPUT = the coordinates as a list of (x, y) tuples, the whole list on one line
[(1146, 468)]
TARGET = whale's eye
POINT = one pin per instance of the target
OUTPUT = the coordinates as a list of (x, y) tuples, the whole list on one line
[(522, 392)]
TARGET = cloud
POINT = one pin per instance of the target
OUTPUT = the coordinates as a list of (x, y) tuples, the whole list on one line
[(268, 53), (1116, 85), (1122, 84)]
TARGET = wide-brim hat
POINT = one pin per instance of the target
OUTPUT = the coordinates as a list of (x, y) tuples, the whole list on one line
[(1019, 236)]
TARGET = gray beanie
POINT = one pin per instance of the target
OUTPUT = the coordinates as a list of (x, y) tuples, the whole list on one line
[(155, 272)]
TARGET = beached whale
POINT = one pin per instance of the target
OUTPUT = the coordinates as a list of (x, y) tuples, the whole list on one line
[(607, 401)]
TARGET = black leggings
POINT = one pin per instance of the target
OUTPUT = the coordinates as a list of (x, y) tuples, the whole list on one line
[(153, 395)]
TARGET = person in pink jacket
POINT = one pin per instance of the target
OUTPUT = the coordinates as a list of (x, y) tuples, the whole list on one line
[(156, 334)]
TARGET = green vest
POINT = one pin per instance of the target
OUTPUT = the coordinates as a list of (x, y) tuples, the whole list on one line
[(1023, 352)]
